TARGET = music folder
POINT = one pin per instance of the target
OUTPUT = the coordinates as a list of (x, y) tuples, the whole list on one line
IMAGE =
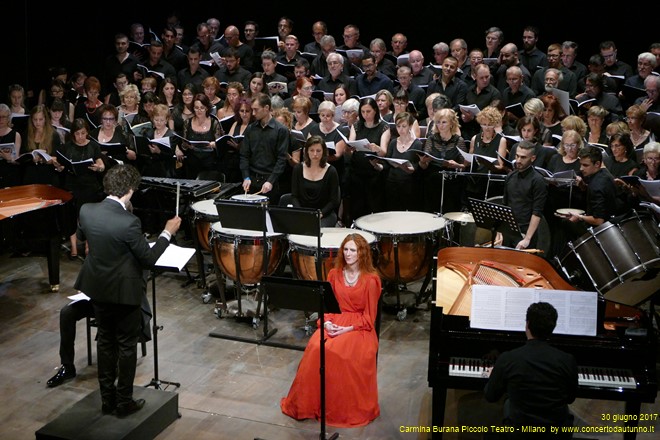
[(294, 294)]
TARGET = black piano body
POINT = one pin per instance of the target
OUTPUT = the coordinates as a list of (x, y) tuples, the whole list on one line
[(625, 341), (36, 218)]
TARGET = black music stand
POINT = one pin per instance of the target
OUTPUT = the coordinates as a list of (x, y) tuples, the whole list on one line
[(495, 217), (156, 382), (306, 295)]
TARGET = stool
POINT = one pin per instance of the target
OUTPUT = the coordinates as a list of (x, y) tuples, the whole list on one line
[(91, 322)]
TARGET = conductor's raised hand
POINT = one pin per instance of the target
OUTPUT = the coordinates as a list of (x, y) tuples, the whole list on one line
[(173, 224)]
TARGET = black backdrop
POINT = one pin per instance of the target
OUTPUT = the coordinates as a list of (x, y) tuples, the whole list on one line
[(79, 34)]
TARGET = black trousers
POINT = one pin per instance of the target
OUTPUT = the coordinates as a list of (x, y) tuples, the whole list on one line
[(70, 314), (119, 327)]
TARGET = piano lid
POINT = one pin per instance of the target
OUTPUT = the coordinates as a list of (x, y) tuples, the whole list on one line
[(460, 268), (17, 200)]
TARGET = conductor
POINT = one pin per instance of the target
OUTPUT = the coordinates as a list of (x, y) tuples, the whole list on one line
[(539, 379), (112, 276)]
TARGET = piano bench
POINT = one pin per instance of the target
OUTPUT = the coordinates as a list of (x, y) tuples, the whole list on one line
[(91, 322)]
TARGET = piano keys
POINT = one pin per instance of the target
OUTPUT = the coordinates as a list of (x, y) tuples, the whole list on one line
[(617, 364), (37, 217)]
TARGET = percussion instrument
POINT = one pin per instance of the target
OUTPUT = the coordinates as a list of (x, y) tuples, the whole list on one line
[(462, 231), (405, 242), (239, 253), (188, 187), (567, 211), (249, 198), (621, 261), (205, 215), (303, 251)]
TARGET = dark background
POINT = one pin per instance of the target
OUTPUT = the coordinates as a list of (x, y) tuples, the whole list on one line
[(79, 34)]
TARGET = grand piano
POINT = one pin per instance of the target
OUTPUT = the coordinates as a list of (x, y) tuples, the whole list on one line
[(35, 218), (617, 364)]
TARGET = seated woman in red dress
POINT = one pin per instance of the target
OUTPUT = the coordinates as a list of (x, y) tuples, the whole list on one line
[(350, 349)]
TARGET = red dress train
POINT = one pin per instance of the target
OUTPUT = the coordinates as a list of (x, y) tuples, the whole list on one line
[(351, 395)]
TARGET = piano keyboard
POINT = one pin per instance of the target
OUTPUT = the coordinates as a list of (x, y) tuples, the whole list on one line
[(587, 376)]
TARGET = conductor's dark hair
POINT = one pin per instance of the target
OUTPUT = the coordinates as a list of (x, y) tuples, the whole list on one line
[(120, 179), (541, 319)]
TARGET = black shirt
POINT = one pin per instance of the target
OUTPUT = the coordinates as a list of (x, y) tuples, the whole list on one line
[(525, 192), (264, 149)]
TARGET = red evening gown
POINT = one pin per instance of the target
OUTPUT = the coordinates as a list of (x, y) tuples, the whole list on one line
[(351, 395)]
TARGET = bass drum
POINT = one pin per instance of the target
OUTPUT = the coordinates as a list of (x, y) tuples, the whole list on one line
[(406, 242), (304, 248), (621, 261), (206, 214), (239, 253)]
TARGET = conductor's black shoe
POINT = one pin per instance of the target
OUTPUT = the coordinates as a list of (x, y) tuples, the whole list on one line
[(129, 408), (66, 372)]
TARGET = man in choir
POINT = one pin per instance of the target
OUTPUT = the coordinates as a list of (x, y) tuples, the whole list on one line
[(651, 103), (156, 63), (372, 81), (399, 43), (440, 52), (232, 71), (568, 84), (416, 94), (531, 57), (517, 93), (509, 57), (448, 83), (264, 151), (244, 52), (422, 75), (171, 53), (525, 191), (120, 62), (113, 277), (268, 64), (539, 380), (319, 30), (336, 76), (205, 43), (569, 60), (194, 73), (319, 65), (384, 65), (459, 50), (614, 66)]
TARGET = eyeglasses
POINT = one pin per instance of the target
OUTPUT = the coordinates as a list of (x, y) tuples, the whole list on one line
[(608, 56), (570, 145), (108, 119), (652, 159), (346, 36)]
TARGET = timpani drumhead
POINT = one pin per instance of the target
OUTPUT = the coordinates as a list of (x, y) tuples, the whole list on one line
[(400, 223), (248, 233), (249, 198), (331, 238), (206, 207)]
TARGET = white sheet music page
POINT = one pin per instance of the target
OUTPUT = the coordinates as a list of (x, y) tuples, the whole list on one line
[(174, 257), (504, 308)]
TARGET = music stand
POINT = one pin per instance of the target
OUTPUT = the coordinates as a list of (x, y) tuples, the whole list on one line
[(492, 216), (306, 295), (182, 260)]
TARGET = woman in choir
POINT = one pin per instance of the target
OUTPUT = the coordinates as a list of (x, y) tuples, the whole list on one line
[(351, 347), (328, 131), (595, 119), (184, 110), (109, 132), (301, 109), (159, 162), (635, 117), (340, 96), (129, 107), (234, 93), (304, 89), (620, 164), (9, 170), (402, 189), (230, 164), (16, 95), (294, 152), (85, 183), (649, 169), (401, 104), (385, 102), (201, 127), (486, 143), (552, 117), (530, 130), (366, 184), (57, 90), (315, 183), (211, 87), (59, 120), (442, 189), (89, 109), (256, 85), (168, 94), (41, 135)]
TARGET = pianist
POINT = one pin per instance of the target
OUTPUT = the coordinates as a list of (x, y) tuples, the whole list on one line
[(539, 380)]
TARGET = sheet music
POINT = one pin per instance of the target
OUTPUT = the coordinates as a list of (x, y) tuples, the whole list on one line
[(505, 308), (174, 257), (78, 297)]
